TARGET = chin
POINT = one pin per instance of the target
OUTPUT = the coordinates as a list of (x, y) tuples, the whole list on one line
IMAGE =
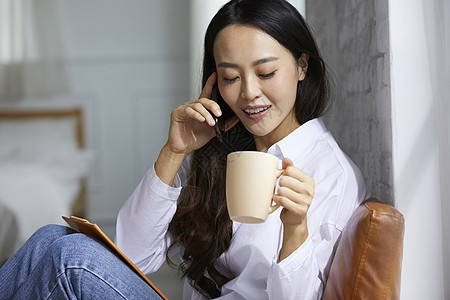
[(258, 130)]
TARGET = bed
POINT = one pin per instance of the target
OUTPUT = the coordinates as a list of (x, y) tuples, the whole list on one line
[(43, 169)]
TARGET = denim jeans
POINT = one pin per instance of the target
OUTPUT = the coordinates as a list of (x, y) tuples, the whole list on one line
[(58, 263)]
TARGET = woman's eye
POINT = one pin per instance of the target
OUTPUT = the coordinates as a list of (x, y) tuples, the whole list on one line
[(268, 75), (229, 80)]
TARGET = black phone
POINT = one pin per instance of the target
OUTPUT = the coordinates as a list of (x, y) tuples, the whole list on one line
[(215, 92), (226, 110)]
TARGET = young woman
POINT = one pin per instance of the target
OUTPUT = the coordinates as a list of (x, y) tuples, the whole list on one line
[(270, 78), (266, 83)]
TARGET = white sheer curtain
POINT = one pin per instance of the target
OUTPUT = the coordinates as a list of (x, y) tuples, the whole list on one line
[(437, 19), (31, 49), (438, 32)]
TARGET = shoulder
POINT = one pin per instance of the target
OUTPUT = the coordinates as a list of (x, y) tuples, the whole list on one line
[(326, 159), (340, 186)]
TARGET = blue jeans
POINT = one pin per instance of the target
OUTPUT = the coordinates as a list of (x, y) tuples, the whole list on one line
[(58, 263)]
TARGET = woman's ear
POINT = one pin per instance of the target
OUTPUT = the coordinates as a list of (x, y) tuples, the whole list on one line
[(302, 66)]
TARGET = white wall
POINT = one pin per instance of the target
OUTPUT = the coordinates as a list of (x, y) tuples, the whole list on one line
[(420, 108)]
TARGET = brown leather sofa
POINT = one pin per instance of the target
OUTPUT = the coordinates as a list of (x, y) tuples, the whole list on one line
[(368, 260)]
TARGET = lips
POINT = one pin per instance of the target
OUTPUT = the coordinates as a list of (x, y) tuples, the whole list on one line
[(256, 112), (253, 110)]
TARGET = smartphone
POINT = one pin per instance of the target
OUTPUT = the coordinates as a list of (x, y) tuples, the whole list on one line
[(226, 110)]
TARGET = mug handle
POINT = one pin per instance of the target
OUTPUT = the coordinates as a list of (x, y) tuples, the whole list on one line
[(273, 208)]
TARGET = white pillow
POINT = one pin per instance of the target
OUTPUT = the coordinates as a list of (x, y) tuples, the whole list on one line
[(32, 139)]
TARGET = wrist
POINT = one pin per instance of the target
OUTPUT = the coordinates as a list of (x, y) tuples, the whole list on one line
[(293, 238), (171, 155), (167, 164)]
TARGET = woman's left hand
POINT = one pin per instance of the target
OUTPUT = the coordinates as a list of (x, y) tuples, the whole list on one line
[(295, 194)]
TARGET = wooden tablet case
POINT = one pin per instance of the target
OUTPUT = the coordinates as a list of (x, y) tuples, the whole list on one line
[(92, 230)]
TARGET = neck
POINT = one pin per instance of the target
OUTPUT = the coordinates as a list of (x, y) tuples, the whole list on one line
[(263, 143)]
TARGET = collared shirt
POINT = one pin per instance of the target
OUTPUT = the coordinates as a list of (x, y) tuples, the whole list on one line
[(253, 255)]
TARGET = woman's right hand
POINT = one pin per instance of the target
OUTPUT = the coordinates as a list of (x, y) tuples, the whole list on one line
[(191, 124), (191, 127)]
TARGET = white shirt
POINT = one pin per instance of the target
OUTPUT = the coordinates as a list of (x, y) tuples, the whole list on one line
[(253, 255)]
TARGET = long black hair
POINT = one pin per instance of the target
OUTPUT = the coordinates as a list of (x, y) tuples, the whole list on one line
[(201, 223)]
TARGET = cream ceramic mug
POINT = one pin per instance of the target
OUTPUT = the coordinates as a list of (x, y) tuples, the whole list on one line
[(250, 184)]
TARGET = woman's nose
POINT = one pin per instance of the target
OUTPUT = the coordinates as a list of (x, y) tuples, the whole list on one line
[(249, 89)]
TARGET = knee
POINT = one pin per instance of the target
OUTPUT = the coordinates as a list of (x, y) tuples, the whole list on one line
[(49, 233), (76, 249), (53, 230)]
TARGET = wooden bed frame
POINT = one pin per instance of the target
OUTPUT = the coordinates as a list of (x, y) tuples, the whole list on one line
[(79, 205)]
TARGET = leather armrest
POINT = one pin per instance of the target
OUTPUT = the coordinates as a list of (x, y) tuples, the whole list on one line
[(367, 264)]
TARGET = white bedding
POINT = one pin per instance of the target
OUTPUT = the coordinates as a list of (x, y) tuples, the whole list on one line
[(40, 171)]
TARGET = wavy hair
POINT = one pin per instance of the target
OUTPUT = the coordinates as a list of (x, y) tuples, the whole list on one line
[(201, 224)]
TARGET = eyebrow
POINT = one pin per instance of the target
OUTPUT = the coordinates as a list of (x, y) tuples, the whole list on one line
[(255, 63)]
